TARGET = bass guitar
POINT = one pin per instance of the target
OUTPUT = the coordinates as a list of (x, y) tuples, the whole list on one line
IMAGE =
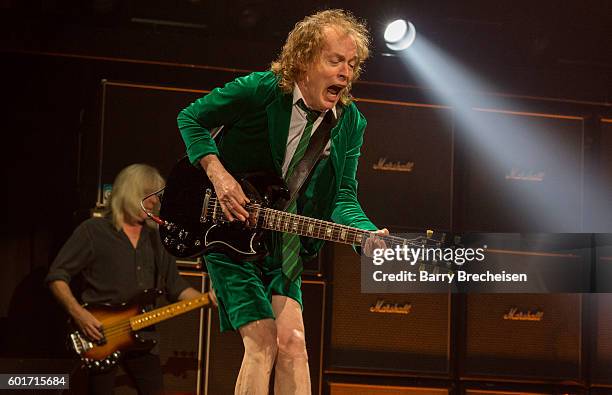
[(192, 222), (120, 326)]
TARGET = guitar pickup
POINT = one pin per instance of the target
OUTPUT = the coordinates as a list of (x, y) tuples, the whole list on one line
[(102, 341), (204, 211)]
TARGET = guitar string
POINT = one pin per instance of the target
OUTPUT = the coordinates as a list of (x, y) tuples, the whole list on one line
[(258, 206), (320, 227), (119, 327)]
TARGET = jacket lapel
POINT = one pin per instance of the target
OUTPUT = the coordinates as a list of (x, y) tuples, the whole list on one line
[(337, 145), (279, 116)]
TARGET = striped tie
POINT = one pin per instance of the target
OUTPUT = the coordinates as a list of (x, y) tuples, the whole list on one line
[(292, 266)]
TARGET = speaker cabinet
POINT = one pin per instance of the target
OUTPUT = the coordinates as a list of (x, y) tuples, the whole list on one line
[(598, 188), (180, 348), (523, 172), (552, 262), (363, 341), (225, 350), (524, 391), (603, 259), (406, 166), (144, 117), (601, 346), (601, 315), (336, 388), (543, 344)]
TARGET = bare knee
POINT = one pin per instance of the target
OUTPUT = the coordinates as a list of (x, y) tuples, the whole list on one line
[(292, 344), (260, 341)]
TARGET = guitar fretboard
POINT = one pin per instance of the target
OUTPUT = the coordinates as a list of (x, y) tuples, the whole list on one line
[(281, 221), (163, 313), (305, 226)]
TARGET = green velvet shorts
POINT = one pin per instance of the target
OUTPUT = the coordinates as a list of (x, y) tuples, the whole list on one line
[(244, 289)]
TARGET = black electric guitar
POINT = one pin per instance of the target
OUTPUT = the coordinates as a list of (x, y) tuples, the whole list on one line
[(120, 326), (191, 220)]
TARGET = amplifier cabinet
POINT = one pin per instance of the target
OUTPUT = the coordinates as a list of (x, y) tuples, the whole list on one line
[(365, 339), (532, 338), (525, 391), (139, 115), (337, 388), (406, 167), (601, 315), (598, 188), (523, 172), (601, 340)]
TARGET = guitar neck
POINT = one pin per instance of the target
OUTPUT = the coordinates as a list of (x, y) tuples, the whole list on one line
[(280, 221), (163, 313), (318, 229)]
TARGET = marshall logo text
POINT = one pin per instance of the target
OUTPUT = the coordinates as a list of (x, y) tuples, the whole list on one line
[(383, 165), (388, 308), (515, 315)]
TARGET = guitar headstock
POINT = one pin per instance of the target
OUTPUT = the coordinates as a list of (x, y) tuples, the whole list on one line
[(431, 251), (429, 239)]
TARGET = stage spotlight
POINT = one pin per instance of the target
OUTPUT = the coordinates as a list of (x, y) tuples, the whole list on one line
[(399, 35)]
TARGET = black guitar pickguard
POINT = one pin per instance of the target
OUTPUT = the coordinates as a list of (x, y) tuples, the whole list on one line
[(186, 233)]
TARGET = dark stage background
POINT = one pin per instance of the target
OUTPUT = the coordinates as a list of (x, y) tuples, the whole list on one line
[(63, 62)]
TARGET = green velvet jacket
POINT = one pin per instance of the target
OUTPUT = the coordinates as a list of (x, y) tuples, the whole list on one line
[(256, 115)]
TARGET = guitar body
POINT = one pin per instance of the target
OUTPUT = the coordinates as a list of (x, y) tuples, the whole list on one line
[(195, 223), (118, 335), (120, 326), (120, 341)]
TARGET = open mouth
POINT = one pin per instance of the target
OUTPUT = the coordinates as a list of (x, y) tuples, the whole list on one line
[(334, 90)]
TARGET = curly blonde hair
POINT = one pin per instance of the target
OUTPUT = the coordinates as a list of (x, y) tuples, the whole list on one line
[(305, 43)]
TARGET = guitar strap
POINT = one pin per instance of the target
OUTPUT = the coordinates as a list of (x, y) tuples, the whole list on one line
[(303, 169)]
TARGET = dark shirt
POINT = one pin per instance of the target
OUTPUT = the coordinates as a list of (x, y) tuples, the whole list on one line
[(114, 271)]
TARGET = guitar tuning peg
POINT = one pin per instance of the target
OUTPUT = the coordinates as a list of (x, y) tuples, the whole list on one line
[(429, 233)]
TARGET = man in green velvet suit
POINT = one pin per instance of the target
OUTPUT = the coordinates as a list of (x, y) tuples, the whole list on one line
[(268, 118)]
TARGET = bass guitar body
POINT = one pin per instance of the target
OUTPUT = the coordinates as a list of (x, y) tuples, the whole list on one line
[(120, 326), (117, 332)]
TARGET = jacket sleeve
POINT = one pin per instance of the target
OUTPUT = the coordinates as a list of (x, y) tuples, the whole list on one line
[(347, 210), (222, 106)]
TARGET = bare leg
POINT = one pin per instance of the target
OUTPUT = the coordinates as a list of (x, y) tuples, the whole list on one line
[(260, 347), (292, 373)]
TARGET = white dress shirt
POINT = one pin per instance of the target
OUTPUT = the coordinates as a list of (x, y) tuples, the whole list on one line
[(297, 126)]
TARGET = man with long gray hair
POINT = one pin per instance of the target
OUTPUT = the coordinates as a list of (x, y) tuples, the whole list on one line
[(118, 257)]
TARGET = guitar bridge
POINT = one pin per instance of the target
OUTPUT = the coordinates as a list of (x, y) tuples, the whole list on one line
[(204, 211), (80, 344)]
